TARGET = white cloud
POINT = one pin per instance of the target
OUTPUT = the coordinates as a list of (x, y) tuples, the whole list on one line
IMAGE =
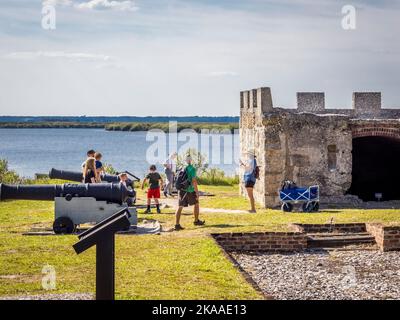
[(175, 44), (223, 74), (57, 2), (126, 5), (29, 55)]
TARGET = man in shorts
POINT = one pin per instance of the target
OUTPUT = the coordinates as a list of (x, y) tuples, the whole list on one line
[(189, 197)]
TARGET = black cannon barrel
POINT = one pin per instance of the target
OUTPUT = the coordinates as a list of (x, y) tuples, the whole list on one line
[(66, 175), (77, 176), (112, 192)]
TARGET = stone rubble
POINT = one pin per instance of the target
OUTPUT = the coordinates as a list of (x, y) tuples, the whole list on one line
[(325, 275)]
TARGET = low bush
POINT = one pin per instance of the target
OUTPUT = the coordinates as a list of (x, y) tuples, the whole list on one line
[(217, 177), (7, 175)]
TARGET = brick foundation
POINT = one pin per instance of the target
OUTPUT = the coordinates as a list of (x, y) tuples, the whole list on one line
[(335, 228), (386, 237), (262, 241)]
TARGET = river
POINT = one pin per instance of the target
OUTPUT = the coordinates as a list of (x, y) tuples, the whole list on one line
[(31, 151)]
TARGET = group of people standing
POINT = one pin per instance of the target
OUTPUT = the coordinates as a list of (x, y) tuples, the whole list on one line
[(92, 167), (92, 170), (186, 197)]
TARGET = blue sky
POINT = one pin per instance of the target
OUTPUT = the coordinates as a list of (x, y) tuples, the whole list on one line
[(184, 57)]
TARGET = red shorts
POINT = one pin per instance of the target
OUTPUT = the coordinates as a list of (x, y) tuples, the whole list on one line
[(153, 193)]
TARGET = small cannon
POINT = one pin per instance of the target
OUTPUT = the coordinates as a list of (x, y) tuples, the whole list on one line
[(77, 176), (75, 203)]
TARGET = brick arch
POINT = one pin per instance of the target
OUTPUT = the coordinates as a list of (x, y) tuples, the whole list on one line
[(376, 130)]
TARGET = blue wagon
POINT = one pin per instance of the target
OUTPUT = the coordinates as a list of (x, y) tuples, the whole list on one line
[(309, 197)]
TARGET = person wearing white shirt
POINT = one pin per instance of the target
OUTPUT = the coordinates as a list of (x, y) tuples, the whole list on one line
[(249, 177), (169, 170)]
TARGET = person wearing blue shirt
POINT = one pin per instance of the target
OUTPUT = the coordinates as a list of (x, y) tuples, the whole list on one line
[(99, 165), (249, 177)]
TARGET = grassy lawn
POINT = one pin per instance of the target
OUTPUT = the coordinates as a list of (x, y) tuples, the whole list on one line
[(184, 265)]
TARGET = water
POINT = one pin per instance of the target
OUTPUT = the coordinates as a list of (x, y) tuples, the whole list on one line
[(31, 151)]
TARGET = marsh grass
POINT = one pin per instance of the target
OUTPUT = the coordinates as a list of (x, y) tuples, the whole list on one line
[(122, 126)]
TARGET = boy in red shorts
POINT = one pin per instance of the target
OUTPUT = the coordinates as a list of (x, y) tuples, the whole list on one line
[(154, 179)]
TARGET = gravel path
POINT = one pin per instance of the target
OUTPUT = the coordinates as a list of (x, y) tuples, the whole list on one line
[(173, 203), (327, 275)]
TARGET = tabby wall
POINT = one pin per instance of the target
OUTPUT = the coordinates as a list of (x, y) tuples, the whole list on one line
[(310, 144)]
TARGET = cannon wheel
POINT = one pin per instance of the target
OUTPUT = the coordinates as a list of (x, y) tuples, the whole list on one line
[(63, 225), (287, 207)]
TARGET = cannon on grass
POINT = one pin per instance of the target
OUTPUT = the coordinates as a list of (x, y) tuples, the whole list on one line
[(75, 204), (76, 176)]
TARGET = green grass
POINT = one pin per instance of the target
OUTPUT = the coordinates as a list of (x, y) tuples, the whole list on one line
[(184, 265)]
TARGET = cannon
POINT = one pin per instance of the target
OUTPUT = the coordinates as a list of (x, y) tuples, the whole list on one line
[(77, 176), (75, 204)]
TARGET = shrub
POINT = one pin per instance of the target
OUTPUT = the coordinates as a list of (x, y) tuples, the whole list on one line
[(6, 175), (108, 168), (206, 175), (198, 160), (217, 177)]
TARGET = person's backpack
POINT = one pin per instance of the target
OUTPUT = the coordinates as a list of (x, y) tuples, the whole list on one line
[(182, 181)]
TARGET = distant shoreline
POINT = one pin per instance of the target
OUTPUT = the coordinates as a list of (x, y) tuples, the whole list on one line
[(117, 119), (122, 126)]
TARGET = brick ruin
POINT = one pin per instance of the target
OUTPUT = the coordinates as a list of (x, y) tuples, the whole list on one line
[(350, 153), (307, 236)]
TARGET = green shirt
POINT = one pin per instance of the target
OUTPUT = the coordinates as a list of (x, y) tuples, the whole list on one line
[(191, 173)]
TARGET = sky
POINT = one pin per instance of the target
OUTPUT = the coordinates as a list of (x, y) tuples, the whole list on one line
[(192, 57)]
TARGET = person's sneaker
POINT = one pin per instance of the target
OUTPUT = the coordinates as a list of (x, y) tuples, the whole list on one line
[(165, 195), (158, 210), (199, 223), (252, 211), (178, 227), (147, 211)]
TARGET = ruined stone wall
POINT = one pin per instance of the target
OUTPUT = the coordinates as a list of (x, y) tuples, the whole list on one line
[(254, 104), (308, 149), (310, 101), (310, 144)]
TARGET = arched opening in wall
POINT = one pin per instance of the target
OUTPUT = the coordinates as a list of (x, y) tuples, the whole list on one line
[(376, 168)]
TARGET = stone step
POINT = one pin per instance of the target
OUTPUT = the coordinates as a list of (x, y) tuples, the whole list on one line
[(337, 234), (330, 240)]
